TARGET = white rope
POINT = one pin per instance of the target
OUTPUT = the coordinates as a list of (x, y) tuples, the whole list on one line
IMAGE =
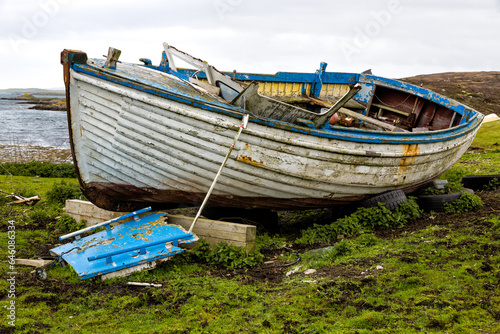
[(243, 126)]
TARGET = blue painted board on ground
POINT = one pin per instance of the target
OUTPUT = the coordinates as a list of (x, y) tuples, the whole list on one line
[(123, 246)]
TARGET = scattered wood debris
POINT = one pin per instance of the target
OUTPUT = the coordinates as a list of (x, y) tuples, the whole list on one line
[(144, 284), (20, 199)]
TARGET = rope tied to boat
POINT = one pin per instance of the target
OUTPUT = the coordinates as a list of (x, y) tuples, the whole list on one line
[(243, 126)]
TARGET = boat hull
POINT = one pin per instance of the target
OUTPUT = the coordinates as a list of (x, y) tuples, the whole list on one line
[(141, 137), (134, 148)]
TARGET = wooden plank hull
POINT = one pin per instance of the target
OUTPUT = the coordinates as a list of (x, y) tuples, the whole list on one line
[(133, 147)]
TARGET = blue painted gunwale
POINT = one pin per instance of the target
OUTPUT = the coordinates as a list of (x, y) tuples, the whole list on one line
[(191, 97), (344, 79)]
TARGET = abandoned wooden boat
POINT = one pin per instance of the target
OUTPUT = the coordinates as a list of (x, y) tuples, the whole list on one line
[(144, 134)]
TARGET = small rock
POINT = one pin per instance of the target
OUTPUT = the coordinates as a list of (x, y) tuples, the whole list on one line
[(309, 271), (379, 267), (293, 271)]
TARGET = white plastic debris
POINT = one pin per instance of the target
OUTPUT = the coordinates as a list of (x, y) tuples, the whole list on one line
[(293, 271), (309, 271), (490, 118), (144, 284)]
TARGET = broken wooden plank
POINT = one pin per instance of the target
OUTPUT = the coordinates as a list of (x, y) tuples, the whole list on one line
[(206, 86), (25, 200), (33, 263), (370, 120)]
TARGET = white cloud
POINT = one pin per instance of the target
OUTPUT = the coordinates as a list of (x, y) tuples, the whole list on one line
[(395, 38)]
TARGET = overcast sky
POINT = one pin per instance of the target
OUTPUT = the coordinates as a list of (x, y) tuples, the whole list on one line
[(394, 38)]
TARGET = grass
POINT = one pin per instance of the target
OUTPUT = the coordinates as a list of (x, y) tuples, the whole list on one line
[(415, 283), (440, 273), (488, 137), (28, 185), (482, 159)]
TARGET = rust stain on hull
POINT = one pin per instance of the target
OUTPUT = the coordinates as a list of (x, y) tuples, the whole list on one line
[(249, 160), (410, 151)]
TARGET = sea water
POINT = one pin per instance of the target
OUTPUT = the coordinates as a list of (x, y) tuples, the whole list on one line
[(20, 125)]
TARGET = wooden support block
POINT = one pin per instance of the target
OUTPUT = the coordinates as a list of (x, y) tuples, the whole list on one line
[(212, 231), (80, 210)]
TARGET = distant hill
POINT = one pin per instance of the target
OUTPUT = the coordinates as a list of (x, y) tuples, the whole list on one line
[(37, 91), (479, 90)]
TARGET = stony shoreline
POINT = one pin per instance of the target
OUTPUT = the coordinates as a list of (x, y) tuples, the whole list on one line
[(41, 103), (20, 153), (29, 153)]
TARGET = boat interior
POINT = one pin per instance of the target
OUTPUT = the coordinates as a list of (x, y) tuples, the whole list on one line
[(314, 103)]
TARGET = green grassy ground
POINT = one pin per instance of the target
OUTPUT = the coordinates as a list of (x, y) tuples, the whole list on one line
[(440, 273)]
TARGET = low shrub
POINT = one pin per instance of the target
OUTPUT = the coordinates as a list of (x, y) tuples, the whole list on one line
[(62, 191), (493, 185), (342, 248), (227, 256), (66, 223), (42, 215), (367, 240), (495, 220), (450, 188), (361, 221), (39, 168), (466, 203)]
